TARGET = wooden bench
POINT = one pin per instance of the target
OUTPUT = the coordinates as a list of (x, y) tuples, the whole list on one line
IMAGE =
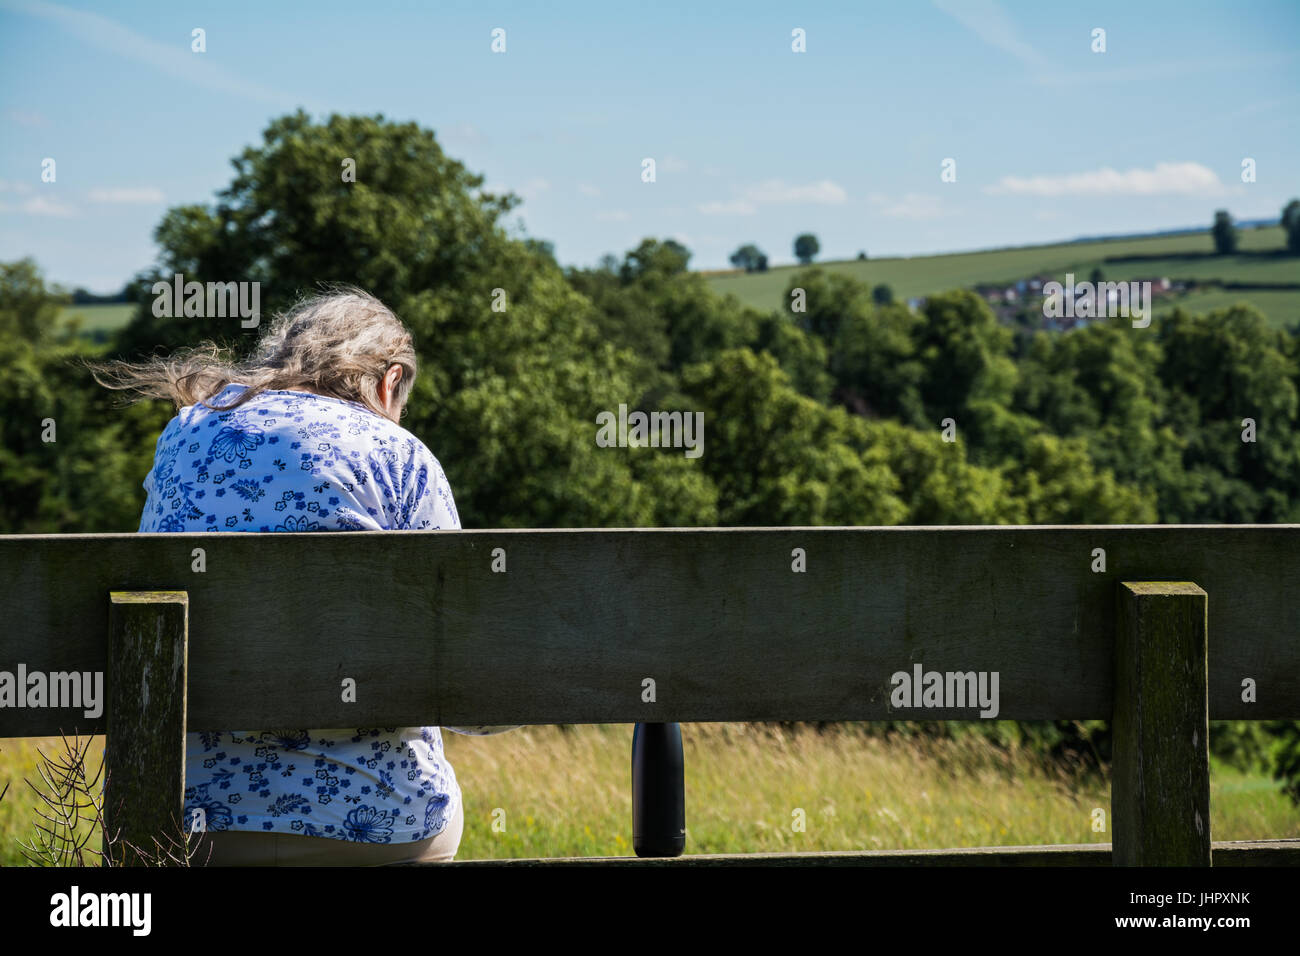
[(1157, 628)]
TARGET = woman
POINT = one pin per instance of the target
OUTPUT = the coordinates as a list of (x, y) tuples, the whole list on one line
[(304, 436)]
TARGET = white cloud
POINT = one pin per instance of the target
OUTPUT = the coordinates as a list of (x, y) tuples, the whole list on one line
[(735, 207), (145, 195), (23, 189), (465, 134), (24, 118), (612, 215), (40, 206), (672, 164), (588, 190), (776, 191), (1164, 178), (533, 188), (988, 21), (917, 206)]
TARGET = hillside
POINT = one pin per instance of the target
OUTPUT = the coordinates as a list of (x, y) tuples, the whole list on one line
[(1259, 263)]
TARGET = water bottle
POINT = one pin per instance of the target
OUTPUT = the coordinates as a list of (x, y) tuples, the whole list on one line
[(658, 791)]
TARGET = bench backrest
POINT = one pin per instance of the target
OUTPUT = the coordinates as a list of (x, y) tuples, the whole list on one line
[(246, 631), (578, 620)]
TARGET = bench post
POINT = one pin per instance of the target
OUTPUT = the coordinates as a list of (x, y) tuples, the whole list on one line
[(1160, 786), (144, 782)]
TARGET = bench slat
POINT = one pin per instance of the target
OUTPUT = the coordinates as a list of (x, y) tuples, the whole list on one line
[(714, 616)]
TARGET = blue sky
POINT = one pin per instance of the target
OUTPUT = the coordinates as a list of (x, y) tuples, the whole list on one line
[(753, 142)]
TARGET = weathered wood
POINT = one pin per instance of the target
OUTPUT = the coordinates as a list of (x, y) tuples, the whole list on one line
[(144, 761), (715, 617), (1160, 787), (1253, 853)]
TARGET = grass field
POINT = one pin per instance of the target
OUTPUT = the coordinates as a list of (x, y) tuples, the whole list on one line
[(1173, 257), (99, 318), (566, 792)]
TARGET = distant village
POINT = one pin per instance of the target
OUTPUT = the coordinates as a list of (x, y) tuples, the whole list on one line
[(1013, 303)]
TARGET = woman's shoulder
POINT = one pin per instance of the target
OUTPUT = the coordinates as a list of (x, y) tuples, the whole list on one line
[(313, 423)]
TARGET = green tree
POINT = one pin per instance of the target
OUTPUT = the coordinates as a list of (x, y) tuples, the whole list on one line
[(69, 460), (1225, 233), (806, 247), (877, 371), (936, 482), (1101, 384), (1291, 225), (1219, 370), (748, 257), (514, 366), (803, 357), (778, 457), (965, 355)]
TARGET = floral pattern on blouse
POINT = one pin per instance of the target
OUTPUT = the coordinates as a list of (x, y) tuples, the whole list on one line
[(294, 461)]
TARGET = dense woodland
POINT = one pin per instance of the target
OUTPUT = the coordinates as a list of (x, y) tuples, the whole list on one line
[(830, 416)]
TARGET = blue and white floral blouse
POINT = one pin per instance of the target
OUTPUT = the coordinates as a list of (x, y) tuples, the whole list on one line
[(295, 461)]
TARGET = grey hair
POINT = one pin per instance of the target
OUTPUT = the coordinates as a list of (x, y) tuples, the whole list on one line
[(339, 344)]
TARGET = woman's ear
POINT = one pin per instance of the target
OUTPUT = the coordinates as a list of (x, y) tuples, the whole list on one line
[(388, 390)]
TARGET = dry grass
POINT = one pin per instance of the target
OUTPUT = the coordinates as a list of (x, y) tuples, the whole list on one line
[(566, 792)]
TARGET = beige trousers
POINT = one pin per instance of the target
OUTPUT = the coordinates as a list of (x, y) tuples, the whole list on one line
[(251, 848)]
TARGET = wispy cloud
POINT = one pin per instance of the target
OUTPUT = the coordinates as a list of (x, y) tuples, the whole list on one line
[(174, 59), (27, 118), (988, 21), (1188, 179), (734, 207), (824, 193), (533, 188), (464, 134), (40, 206), (776, 191), (588, 190), (612, 215), (918, 206), (142, 196)]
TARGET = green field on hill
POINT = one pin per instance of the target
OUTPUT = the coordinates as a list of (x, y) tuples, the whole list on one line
[(99, 318), (1259, 260)]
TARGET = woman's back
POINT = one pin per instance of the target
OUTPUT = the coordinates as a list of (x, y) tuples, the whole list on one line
[(292, 461), (296, 461)]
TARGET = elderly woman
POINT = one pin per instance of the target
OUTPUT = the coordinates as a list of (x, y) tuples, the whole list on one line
[(304, 436)]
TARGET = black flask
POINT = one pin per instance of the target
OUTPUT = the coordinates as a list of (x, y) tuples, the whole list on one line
[(658, 790)]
